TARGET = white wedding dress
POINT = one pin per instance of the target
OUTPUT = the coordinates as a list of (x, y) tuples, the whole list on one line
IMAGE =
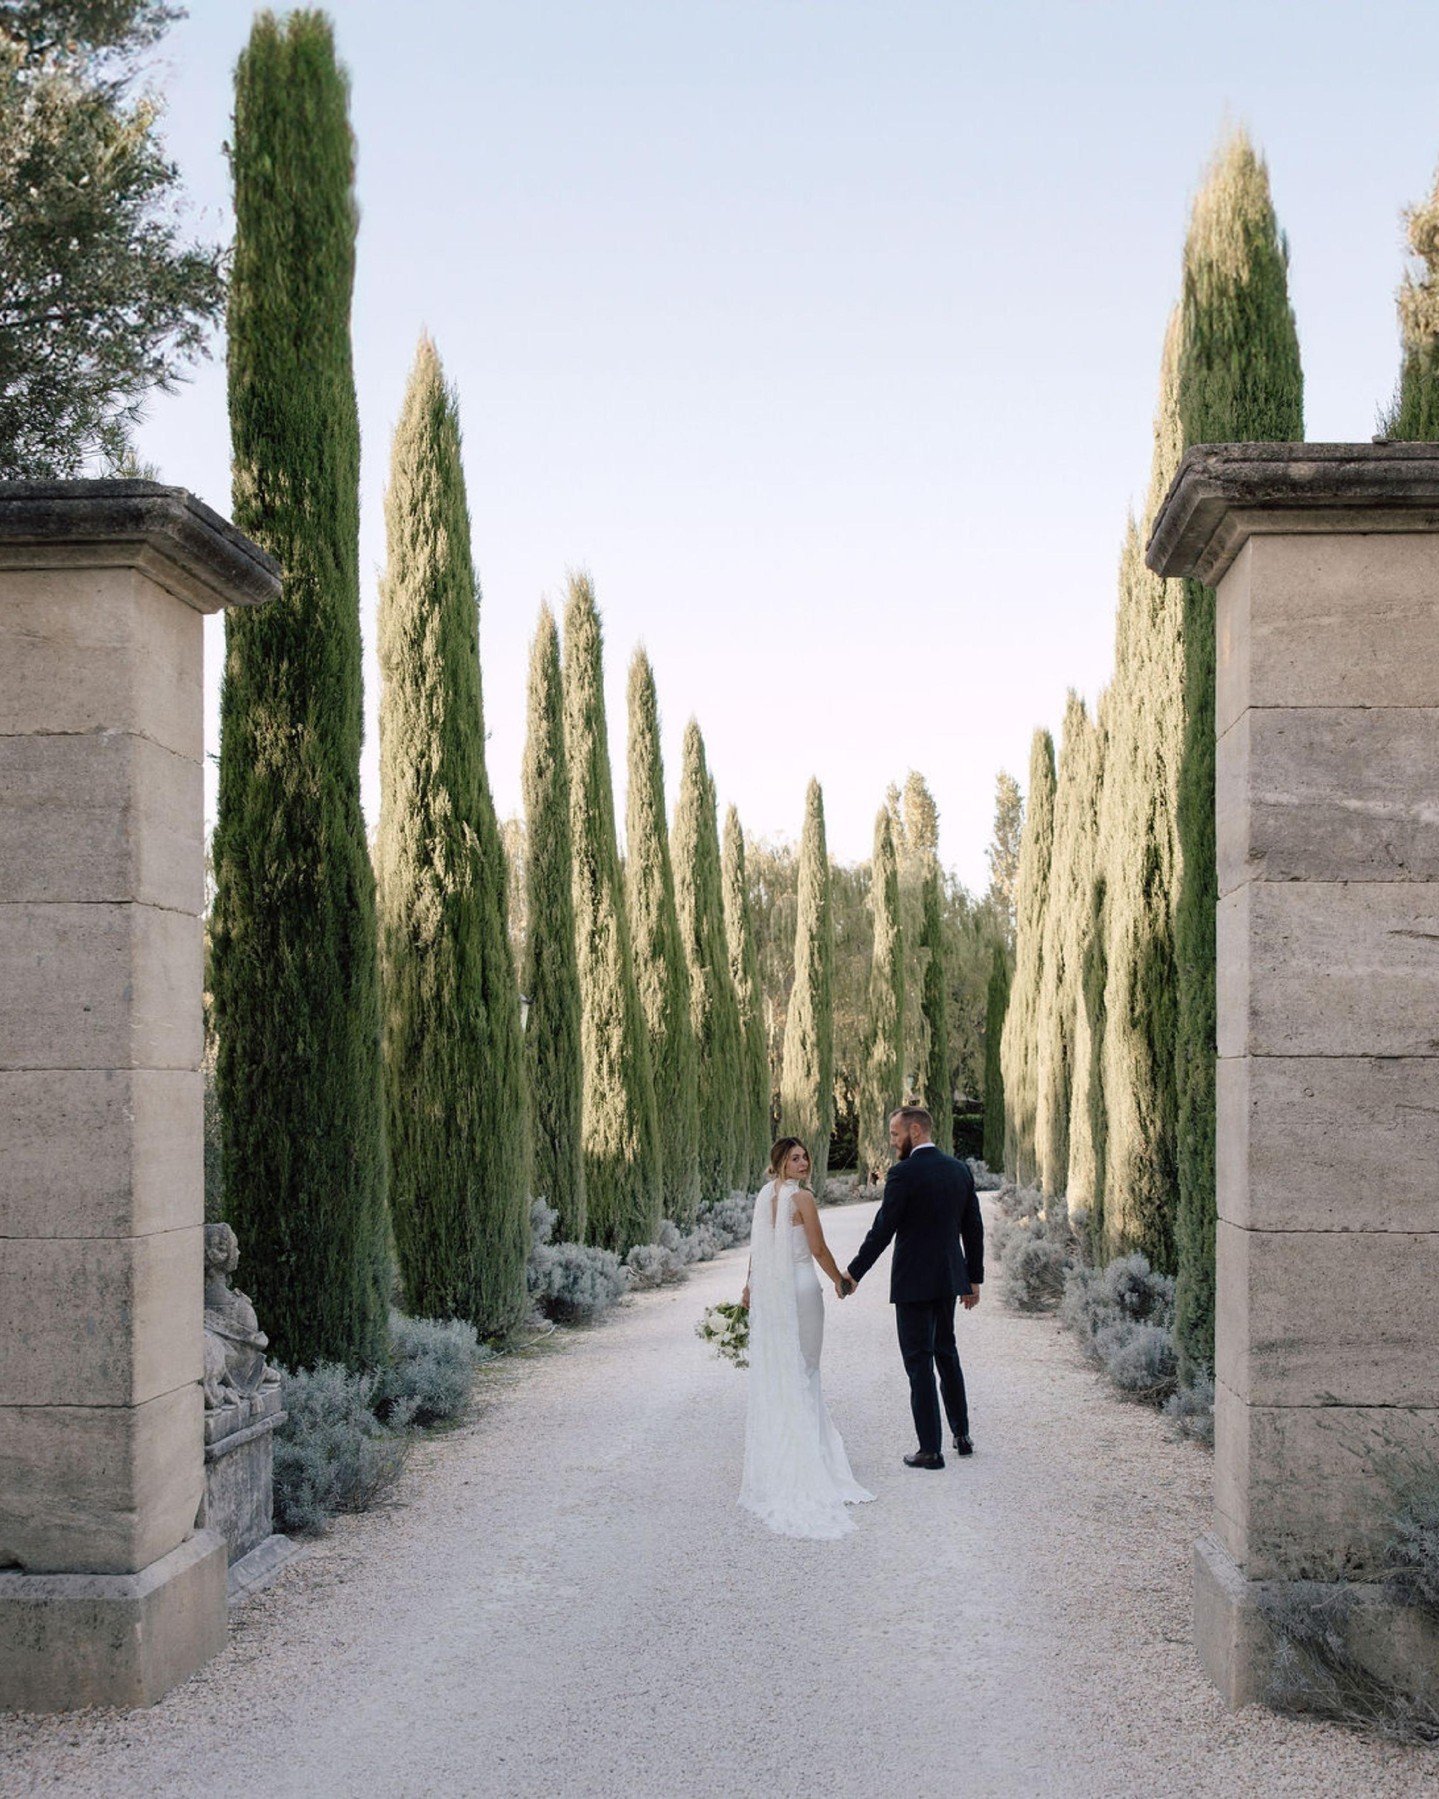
[(797, 1478)]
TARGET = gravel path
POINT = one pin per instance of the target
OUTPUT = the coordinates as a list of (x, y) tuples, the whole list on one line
[(567, 1601)]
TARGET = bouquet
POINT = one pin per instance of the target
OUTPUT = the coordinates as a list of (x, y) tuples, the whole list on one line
[(727, 1328)]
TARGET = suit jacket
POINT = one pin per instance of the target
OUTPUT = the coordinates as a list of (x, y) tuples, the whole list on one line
[(931, 1211)]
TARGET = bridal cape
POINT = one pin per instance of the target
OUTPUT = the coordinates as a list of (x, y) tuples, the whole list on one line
[(797, 1477)]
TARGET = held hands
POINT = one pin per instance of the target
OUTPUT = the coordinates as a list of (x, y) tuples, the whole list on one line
[(844, 1285)]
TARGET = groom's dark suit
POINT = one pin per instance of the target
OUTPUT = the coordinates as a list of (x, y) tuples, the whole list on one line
[(931, 1211)]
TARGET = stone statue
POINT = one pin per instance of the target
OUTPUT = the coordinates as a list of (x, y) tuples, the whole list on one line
[(235, 1365)]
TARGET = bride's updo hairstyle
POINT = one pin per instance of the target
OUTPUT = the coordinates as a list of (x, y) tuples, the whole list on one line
[(779, 1155)]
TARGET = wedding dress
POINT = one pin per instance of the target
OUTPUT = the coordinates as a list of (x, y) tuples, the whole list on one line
[(797, 1477)]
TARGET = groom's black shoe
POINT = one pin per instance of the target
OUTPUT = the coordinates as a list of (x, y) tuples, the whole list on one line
[(962, 1444), (922, 1458)]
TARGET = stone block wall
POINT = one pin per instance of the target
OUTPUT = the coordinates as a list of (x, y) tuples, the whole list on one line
[(1326, 563), (102, 590)]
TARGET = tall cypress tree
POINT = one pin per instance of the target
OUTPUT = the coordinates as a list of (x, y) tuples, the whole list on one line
[(295, 984), (1079, 949), (1414, 415), (724, 1144), (996, 1005), (620, 1132), (1003, 852), (551, 976), (1130, 982), (749, 994), (938, 1074), (914, 823), (661, 973), (1240, 380), (807, 1076), (1071, 871), (454, 1057), (1021, 1023), (883, 1085)]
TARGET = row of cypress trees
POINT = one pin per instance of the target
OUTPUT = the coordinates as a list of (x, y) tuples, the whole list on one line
[(1109, 1035), (380, 1097)]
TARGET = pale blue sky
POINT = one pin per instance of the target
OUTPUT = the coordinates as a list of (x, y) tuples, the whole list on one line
[(823, 332)]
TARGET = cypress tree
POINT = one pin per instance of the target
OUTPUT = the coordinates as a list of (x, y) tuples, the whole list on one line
[(295, 984), (996, 1005), (1079, 950), (1021, 1090), (454, 1057), (1240, 380), (1414, 415), (749, 994), (1071, 872), (921, 821), (1133, 1005), (914, 822), (807, 1075), (938, 1075), (551, 977), (620, 1131), (1089, 1119), (661, 973), (1003, 852), (883, 1087), (724, 1144)]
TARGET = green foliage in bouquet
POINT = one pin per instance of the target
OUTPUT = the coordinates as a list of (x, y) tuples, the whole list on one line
[(726, 1327)]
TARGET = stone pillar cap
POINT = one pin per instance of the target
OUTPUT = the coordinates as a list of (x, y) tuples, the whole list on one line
[(193, 552), (1222, 494)]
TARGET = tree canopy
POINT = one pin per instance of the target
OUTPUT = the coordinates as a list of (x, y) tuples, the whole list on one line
[(103, 298)]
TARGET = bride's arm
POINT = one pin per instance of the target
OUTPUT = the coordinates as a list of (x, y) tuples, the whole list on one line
[(814, 1233)]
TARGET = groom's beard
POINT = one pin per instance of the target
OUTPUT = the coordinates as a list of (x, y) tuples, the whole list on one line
[(904, 1150)]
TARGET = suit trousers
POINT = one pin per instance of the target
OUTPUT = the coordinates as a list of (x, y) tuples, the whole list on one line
[(926, 1341)]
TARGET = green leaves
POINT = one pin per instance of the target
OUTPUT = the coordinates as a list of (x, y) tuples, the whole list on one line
[(295, 982), (454, 1059), (807, 1079), (102, 298)]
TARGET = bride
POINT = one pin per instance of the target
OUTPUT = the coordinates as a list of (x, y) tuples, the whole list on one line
[(796, 1473)]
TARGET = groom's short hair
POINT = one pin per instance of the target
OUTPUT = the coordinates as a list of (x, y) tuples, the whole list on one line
[(917, 1115)]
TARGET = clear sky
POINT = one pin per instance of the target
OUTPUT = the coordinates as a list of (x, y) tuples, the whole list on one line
[(824, 333)]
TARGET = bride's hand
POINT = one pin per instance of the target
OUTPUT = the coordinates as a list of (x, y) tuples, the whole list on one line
[(744, 1298)]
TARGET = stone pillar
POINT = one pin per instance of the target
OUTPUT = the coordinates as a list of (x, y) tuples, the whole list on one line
[(1326, 562), (108, 1592)]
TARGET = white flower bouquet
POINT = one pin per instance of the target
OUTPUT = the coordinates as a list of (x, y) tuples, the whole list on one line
[(726, 1327)]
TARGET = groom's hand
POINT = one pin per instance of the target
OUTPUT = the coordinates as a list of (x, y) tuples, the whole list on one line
[(845, 1285), (971, 1299)]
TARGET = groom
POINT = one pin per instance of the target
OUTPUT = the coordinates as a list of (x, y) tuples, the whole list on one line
[(931, 1210)]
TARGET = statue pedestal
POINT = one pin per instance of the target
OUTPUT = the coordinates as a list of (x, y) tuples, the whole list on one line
[(240, 1471)]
